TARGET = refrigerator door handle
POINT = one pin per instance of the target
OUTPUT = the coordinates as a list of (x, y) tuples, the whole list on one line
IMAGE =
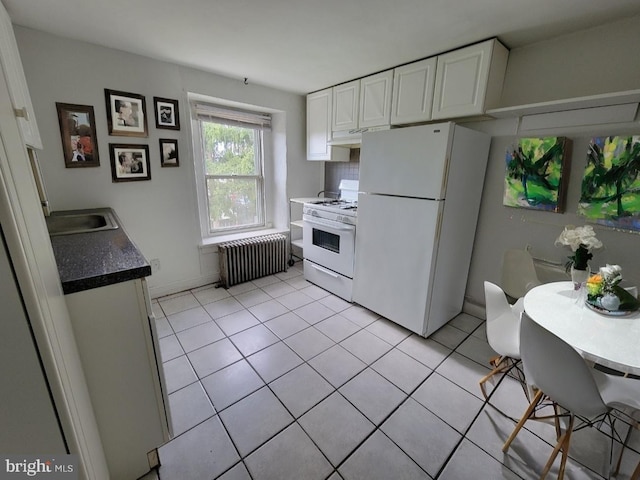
[(445, 178)]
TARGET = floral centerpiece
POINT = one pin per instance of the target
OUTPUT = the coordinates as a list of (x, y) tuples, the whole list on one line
[(581, 240), (604, 290)]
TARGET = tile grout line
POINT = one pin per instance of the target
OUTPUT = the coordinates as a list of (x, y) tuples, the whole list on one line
[(334, 389)]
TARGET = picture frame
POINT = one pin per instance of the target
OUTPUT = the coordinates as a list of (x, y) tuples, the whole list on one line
[(129, 163), (126, 114), (78, 134), (169, 152), (610, 190), (167, 114), (537, 173)]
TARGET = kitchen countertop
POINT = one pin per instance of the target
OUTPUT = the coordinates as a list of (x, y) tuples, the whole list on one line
[(96, 259), (310, 199)]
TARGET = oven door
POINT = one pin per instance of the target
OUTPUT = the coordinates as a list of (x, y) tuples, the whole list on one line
[(329, 244)]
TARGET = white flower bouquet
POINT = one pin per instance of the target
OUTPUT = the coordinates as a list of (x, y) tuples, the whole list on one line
[(581, 240)]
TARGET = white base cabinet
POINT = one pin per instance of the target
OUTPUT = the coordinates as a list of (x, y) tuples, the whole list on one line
[(113, 330)]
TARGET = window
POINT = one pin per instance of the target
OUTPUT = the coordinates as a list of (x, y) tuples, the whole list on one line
[(232, 151)]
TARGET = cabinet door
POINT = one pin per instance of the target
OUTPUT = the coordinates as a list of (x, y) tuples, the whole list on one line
[(413, 92), (18, 90), (462, 77), (318, 124), (345, 106), (319, 107), (375, 100)]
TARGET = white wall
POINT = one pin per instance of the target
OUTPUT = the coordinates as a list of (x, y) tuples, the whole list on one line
[(591, 62), (160, 215)]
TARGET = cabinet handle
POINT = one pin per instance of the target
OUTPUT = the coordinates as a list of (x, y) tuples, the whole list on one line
[(21, 113)]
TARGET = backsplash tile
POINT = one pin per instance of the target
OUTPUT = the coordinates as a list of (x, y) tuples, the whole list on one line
[(336, 171)]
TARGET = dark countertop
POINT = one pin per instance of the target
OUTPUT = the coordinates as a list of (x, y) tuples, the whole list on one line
[(96, 259)]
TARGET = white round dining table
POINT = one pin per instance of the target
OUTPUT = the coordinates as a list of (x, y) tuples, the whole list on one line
[(612, 341)]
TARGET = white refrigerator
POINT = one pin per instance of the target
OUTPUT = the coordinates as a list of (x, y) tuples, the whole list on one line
[(420, 191)]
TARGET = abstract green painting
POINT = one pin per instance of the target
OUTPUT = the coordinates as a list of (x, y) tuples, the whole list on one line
[(610, 193), (535, 174)]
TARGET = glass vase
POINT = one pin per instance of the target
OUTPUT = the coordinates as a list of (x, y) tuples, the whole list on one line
[(580, 277)]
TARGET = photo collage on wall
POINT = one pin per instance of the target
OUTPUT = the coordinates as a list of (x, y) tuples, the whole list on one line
[(126, 117)]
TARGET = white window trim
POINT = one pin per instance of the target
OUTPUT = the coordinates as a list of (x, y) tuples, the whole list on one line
[(209, 239)]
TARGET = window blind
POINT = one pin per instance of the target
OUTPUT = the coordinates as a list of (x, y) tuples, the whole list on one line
[(232, 116)]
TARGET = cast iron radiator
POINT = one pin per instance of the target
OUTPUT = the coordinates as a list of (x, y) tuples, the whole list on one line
[(244, 260)]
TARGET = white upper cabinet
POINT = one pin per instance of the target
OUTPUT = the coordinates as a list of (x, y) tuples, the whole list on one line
[(345, 106), (318, 124), (319, 108), (413, 92), (375, 100), (469, 80), (18, 90)]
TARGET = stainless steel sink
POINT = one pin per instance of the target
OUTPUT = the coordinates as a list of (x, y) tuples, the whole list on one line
[(67, 224)]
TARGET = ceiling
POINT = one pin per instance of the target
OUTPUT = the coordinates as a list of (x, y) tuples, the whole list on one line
[(305, 45)]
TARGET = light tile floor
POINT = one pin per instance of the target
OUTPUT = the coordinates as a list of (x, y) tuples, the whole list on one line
[(277, 379)]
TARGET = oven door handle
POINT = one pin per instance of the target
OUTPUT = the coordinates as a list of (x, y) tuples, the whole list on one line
[(334, 225), (325, 271)]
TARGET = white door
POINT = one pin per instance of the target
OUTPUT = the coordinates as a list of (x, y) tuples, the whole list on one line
[(413, 92), (28, 417), (395, 245), (462, 78), (319, 124), (345, 106), (375, 99), (409, 162)]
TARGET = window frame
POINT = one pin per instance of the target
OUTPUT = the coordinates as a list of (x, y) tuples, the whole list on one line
[(262, 151)]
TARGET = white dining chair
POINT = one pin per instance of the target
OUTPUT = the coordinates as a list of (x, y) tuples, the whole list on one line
[(560, 374), (518, 273), (503, 331)]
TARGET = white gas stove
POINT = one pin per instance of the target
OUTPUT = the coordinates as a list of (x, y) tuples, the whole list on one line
[(343, 210), (337, 210), (329, 240)]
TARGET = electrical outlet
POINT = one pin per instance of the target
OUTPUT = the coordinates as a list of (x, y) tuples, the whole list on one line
[(155, 265)]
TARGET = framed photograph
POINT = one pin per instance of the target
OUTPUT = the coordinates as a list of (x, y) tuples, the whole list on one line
[(169, 152), (129, 163), (78, 132), (126, 114), (167, 115)]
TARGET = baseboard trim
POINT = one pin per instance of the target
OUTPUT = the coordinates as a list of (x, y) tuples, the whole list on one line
[(473, 309), (182, 285)]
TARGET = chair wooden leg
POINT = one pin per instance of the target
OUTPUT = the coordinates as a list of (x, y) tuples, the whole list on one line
[(527, 414), (563, 444), (636, 473), (498, 367), (565, 449), (626, 441)]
